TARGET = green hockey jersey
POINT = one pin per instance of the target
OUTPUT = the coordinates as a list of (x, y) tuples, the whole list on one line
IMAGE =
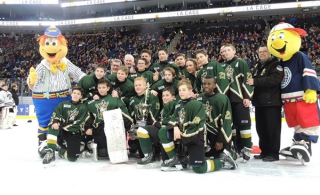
[(161, 66), (154, 108), (125, 89), (70, 115), (190, 117), (148, 75), (238, 73), (105, 103), (167, 112), (219, 115), (192, 79), (213, 69), (161, 84), (89, 85)]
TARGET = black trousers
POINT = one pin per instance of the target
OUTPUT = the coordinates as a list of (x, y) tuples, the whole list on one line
[(268, 125), (212, 139)]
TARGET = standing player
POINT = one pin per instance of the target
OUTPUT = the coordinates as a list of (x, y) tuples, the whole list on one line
[(239, 94)]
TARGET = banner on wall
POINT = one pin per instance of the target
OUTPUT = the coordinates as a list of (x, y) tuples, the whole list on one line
[(23, 109)]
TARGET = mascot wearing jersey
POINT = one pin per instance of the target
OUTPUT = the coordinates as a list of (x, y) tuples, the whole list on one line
[(299, 90), (50, 81)]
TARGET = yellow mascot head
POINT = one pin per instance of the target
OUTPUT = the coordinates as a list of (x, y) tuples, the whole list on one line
[(284, 40), (53, 45)]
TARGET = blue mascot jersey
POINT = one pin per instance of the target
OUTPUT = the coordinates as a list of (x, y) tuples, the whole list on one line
[(294, 83)]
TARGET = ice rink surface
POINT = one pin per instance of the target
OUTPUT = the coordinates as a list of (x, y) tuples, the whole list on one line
[(21, 172)]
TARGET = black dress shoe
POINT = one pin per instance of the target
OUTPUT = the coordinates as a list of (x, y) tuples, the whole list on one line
[(15, 125), (269, 159), (259, 156)]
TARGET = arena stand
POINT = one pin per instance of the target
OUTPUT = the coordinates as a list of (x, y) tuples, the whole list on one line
[(142, 10), (19, 53)]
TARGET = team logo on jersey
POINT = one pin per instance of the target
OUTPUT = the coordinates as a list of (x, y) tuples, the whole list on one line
[(101, 107), (204, 74), (208, 109), (229, 71), (72, 114), (182, 116), (287, 78), (118, 90), (161, 115), (161, 74)]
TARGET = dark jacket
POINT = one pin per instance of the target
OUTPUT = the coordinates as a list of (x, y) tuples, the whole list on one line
[(267, 83), (15, 96)]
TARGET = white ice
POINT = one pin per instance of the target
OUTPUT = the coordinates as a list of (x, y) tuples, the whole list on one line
[(21, 172)]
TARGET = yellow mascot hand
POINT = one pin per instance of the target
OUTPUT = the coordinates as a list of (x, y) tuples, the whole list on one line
[(33, 76), (310, 96)]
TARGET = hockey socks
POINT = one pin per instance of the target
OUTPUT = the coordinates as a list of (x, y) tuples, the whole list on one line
[(144, 139), (209, 166), (245, 133)]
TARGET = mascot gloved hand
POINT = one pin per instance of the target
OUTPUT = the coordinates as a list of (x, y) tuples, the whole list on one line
[(310, 96), (299, 89), (33, 76)]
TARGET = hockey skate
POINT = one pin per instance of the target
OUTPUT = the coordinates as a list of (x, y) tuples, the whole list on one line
[(49, 158), (85, 152), (245, 153), (94, 147), (42, 148), (285, 152), (147, 160), (227, 160), (301, 150), (233, 153), (172, 164)]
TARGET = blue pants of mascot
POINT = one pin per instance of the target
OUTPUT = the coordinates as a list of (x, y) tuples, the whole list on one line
[(44, 109)]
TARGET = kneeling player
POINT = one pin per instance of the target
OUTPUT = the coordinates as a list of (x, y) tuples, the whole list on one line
[(67, 119), (188, 125), (219, 120), (95, 125), (149, 134)]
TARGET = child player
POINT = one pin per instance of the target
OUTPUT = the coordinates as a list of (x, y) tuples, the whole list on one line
[(149, 134), (95, 125), (219, 118), (67, 120), (188, 125)]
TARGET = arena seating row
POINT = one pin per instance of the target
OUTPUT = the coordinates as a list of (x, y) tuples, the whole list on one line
[(156, 8)]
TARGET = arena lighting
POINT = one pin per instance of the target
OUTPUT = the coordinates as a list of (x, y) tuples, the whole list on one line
[(184, 13), (30, 2), (93, 2)]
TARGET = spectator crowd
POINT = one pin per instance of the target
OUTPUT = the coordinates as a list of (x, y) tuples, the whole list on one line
[(19, 53)]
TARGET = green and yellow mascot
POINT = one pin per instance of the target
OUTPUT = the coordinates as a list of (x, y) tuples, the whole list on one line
[(299, 89), (50, 81)]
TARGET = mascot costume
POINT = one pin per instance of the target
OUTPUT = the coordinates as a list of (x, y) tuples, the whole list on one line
[(299, 90), (50, 81)]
